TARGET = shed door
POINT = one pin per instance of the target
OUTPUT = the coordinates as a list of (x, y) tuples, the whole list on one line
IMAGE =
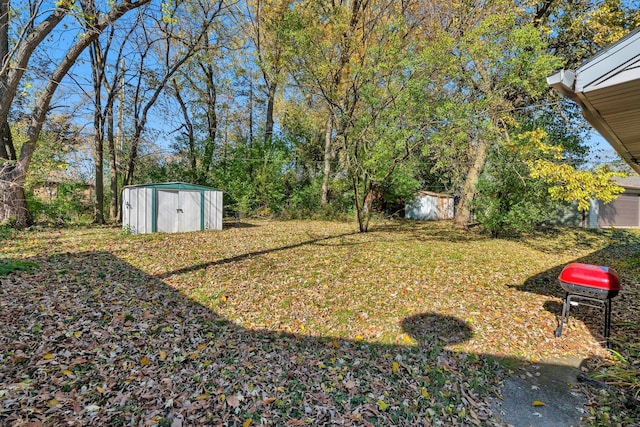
[(622, 212), (178, 211), (189, 211), (167, 205)]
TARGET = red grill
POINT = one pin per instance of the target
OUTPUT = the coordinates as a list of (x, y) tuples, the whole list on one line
[(586, 284)]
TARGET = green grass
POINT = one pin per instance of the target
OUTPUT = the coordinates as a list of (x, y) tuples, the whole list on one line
[(12, 265)]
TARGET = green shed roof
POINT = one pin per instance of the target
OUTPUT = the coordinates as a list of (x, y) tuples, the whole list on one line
[(174, 186)]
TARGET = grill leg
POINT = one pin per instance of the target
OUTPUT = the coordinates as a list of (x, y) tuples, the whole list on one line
[(607, 321), (565, 315)]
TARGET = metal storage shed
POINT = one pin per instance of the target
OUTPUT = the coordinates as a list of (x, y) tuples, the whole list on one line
[(607, 88), (171, 207), (430, 206)]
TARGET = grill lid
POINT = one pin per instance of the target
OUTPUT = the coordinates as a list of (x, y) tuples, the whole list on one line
[(593, 276)]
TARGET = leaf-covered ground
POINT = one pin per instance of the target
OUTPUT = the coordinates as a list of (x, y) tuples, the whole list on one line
[(286, 323)]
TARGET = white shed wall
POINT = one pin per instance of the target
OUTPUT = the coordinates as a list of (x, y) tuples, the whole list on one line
[(213, 210), (136, 210), (430, 208), (189, 215)]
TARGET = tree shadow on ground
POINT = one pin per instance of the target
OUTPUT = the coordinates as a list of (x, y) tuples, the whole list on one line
[(89, 339), (237, 223), (312, 241), (624, 324), (623, 306), (432, 230)]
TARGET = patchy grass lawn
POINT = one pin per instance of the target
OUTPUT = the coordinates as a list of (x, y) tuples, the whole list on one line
[(288, 323)]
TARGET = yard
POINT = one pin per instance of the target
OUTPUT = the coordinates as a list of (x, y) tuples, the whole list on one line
[(289, 323)]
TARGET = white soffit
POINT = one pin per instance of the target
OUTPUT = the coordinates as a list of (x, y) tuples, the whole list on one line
[(607, 87)]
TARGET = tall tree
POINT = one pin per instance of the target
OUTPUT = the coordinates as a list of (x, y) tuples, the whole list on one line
[(179, 40), (7, 149), (13, 204), (264, 18), (196, 89), (107, 74), (499, 67), (576, 29), (361, 57)]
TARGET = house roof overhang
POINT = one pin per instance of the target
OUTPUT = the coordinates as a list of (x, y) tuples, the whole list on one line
[(607, 88)]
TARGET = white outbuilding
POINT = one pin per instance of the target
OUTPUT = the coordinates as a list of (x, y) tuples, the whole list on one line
[(171, 207), (428, 205)]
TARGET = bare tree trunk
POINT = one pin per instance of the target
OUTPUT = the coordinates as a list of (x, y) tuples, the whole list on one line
[(363, 196), (13, 204), (116, 152), (211, 97), (251, 112), (324, 198), (362, 187), (188, 132), (271, 99), (212, 125), (97, 72), (11, 199), (463, 213), (113, 165), (99, 176), (7, 149)]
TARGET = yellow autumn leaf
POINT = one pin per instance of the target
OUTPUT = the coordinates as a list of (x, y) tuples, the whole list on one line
[(537, 403), (269, 400), (100, 389), (382, 405), (201, 346), (202, 396), (67, 373), (395, 367), (48, 356), (163, 355), (77, 334), (52, 403), (424, 392), (145, 361), (246, 422), (406, 339)]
